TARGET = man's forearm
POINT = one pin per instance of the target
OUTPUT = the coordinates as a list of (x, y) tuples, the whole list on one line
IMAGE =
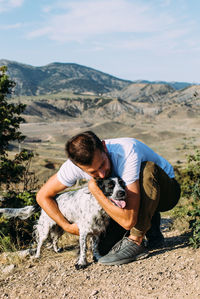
[(49, 205), (126, 217)]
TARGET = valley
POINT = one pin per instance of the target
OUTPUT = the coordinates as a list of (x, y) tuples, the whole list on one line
[(63, 99)]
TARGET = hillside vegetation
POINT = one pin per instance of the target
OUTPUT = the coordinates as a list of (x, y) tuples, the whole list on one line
[(56, 77)]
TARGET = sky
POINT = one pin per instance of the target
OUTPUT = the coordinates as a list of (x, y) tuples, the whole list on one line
[(133, 40)]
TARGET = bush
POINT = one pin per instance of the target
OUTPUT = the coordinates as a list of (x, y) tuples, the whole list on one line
[(189, 176), (6, 243), (195, 217), (189, 206)]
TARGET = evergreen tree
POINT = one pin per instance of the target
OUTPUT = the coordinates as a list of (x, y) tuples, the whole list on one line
[(11, 170), (16, 181)]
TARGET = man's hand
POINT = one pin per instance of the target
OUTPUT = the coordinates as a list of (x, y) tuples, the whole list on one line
[(45, 198), (72, 229)]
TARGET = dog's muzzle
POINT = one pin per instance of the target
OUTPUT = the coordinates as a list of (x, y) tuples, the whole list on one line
[(120, 199)]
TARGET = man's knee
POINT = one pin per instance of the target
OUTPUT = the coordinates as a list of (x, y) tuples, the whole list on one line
[(170, 195), (149, 180), (148, 165)]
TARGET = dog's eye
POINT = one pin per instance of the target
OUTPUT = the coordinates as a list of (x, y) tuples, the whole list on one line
[(111, 185), (121, 182)]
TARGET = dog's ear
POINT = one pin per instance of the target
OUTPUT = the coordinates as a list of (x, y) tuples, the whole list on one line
[(99, 183)]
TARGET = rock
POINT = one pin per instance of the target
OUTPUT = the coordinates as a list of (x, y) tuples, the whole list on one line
[(8, 269), (23, 253), (95, 292)]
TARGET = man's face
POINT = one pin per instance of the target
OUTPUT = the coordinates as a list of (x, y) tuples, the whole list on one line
[(100, 167)]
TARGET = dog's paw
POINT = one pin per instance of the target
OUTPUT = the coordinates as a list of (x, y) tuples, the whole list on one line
[(79, 267), (34, 257)]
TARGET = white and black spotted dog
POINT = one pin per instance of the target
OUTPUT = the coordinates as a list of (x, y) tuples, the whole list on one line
[(78, 207)]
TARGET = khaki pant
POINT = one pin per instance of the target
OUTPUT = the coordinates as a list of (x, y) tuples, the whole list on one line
[(158, 192)]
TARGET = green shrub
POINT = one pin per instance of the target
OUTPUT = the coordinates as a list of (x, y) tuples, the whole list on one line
[(195, 217), (189, 175), (6, 243), (189, 205)]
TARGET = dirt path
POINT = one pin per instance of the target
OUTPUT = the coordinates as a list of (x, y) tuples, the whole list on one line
[(170, 272)]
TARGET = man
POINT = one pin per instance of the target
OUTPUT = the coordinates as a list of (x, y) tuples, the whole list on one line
[(150, 186)]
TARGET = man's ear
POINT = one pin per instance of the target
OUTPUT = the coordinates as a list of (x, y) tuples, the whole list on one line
[(104, 146)]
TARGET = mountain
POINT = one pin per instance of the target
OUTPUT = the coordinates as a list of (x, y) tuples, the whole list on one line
[(187, 95), (143, 92), (66, 91), (135, 101), (57, 77), (173, 84), (65, 99)]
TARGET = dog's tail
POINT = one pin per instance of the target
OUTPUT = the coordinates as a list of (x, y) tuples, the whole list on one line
[(22, 213)]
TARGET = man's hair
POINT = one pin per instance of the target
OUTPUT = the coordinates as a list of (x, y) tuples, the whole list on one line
[(82, 147)]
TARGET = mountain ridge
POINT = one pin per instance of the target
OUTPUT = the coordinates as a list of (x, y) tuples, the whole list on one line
[(67, 91), (57, 77)]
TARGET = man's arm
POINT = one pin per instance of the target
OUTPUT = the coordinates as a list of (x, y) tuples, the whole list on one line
[(45, 198), (126, 217)]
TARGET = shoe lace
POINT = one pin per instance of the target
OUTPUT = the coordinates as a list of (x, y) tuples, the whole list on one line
[(117, 246)]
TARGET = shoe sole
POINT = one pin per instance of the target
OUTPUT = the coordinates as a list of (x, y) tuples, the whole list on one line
[(126, 261)]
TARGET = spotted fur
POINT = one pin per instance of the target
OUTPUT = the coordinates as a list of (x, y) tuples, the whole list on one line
[(82, 208)]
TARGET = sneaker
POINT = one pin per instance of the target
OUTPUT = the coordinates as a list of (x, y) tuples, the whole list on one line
[(125, 251), (114, 233)]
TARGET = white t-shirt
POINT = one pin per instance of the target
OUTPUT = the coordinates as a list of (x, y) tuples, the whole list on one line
[(126, 155)]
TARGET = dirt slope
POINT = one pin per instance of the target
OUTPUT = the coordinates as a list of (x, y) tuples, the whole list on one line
[(170, 272)]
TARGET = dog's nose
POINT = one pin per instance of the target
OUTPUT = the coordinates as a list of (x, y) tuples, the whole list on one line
[(120, 193)]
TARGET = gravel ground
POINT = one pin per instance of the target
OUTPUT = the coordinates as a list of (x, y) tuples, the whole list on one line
[(170, 272)]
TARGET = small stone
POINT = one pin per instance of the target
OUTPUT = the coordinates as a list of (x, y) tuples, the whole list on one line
[(95, 292), (8, 269), (23, 253), (28, 266)]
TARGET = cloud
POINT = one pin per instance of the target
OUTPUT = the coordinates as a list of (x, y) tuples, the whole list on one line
[(132, 25), (166, 43), (6, 5), (10, 26), (81, 20), (165, 3)]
